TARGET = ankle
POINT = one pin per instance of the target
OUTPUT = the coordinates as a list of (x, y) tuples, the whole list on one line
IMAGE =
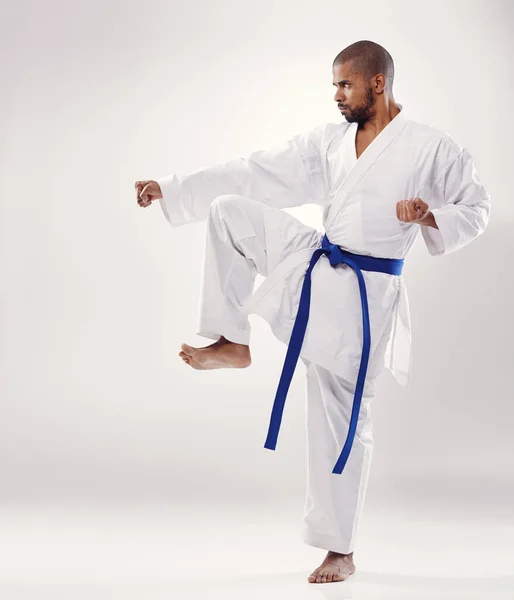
[(332, 553), (224, 341)]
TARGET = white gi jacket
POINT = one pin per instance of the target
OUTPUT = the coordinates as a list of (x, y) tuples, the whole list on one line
[(358, 197)]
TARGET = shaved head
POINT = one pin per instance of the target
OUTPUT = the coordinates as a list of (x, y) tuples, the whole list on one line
[(368, 59)]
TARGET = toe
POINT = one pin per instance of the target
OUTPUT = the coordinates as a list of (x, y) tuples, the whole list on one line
[(187, 349)]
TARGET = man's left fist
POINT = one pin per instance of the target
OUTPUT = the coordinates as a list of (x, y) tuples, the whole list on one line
[(413, 210)]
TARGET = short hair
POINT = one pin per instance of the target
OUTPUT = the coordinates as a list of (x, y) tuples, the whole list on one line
[(368, 59)]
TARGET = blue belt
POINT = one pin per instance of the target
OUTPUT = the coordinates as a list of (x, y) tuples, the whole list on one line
[(336, 256)]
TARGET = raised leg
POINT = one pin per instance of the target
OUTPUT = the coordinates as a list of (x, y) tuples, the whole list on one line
[(244, 238)]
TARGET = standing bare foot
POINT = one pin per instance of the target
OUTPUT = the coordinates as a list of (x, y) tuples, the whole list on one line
[(335, 567), (222, 354)]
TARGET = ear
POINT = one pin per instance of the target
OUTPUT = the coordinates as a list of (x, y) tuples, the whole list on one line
[(378, 83)]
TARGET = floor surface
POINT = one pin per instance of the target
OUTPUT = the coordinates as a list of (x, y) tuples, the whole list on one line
[(227, 552)]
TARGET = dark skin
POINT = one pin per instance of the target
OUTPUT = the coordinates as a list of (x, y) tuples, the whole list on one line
[(367, 103), (371, 104)]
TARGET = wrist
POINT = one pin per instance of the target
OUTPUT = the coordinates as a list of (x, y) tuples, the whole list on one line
[(429, 220)]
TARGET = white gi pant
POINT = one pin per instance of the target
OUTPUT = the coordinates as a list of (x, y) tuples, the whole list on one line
[(238, 246)]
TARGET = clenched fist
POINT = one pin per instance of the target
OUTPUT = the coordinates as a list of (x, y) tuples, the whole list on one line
[(147, 192), (413, 210)]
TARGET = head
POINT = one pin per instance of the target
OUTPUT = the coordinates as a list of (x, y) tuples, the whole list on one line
[(363, 74)]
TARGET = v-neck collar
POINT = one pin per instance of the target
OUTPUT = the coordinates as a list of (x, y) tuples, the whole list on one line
[(360, 165), (399, 117)]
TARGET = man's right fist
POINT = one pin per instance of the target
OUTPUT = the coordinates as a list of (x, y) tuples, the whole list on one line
[(147, 192)]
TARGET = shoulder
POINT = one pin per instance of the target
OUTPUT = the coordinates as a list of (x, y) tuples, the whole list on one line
[(324, 134), (331, 129), (433, 144), (438, 156)]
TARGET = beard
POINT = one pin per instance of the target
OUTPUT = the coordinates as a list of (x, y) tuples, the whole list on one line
[(363, 111)]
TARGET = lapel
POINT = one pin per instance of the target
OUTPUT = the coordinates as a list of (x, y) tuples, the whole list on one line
[(364, 162)]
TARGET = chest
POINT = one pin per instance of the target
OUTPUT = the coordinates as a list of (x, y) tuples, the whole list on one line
[(362, 141), (382, 182)]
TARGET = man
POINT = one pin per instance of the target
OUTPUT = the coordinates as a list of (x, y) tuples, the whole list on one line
[(380, 178)]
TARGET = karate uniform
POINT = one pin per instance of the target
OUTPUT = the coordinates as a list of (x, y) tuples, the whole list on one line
[(248, 233)]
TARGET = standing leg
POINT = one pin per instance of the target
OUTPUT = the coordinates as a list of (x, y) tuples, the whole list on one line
[(334, 502)]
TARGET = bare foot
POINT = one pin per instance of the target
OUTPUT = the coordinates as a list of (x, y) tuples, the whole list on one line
[(222, 354), (335, 567)]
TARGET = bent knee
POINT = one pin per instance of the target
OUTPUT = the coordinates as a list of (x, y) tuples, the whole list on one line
[(237, 208), (238, 214), (226, 201)]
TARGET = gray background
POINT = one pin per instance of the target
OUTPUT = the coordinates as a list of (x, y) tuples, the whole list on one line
[(97, 293)]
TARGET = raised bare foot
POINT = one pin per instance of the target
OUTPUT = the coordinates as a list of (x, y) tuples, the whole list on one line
[(222, 354), (335, 567)]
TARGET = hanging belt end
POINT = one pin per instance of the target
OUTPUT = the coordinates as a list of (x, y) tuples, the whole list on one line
[(270, 444)]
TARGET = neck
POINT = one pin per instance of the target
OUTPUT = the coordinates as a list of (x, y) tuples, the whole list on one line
[(385, 113)]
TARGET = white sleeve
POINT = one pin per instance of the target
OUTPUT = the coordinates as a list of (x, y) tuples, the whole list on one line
[(460, 205), (287, 175)]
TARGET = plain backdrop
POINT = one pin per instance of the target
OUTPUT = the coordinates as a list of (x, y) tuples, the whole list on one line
[(97, 294)]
